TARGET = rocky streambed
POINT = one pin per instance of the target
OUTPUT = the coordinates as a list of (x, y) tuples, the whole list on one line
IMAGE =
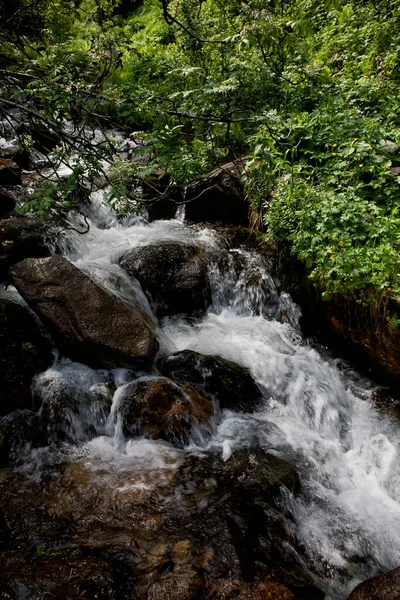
[(167, 432)]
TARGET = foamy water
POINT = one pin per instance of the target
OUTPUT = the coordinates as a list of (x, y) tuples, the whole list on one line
[(347, 516)]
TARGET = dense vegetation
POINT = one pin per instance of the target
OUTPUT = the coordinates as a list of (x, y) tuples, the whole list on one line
[(307, 91)]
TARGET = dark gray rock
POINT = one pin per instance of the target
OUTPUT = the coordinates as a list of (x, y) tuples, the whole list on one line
[(231, 384), (20, 238), (260, 475), (220, 197), (7, 202), (173, 274), (87, 324), (24, 352)]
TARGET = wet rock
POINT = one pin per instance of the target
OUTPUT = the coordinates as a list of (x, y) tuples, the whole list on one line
[(17, 155), (178, 587), (231, 384), (225, 589), (238, 535), (167, 521), (369, 331), (17, 430), (73, 402), (4, 532), (87, 324), (7, 202), (219, 197), (20, 238), (383, 587), (56, 574), (10, 172), (173, 274), (384, 400), (24, 352), (162, 409), (241, 237), (260, 475)]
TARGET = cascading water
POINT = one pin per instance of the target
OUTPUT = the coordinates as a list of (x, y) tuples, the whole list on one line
[(348, 513)]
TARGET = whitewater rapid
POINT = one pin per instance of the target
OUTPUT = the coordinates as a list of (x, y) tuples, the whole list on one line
[(316, 411)]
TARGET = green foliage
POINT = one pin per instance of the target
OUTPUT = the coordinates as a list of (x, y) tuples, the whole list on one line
[(327, 177), (28, 347), (394, 321), (306, 90), (52, 199)]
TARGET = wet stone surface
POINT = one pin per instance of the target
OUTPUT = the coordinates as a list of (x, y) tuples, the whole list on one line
[(231, 384), (174, 275), (24, 352), (163, 524), (162, 409)]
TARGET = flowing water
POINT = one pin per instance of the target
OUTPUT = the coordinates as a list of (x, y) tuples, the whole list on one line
[(317, 412)]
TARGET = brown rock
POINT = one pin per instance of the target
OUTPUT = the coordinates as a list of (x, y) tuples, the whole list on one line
[(87, 324), (56, 574), (161, 408), (225, 589), (161, 518), (367, 333), (383, 587), (260, 475), (370, 329)]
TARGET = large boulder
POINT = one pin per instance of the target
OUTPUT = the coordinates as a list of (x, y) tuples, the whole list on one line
[(162, 409), (87, 324), (383, 587), (220, 197), (24, 352), (231, 384), (173, 274), (20, 238)]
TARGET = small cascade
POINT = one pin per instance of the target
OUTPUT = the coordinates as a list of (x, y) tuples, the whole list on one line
[(347, 515), (181, 208)]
